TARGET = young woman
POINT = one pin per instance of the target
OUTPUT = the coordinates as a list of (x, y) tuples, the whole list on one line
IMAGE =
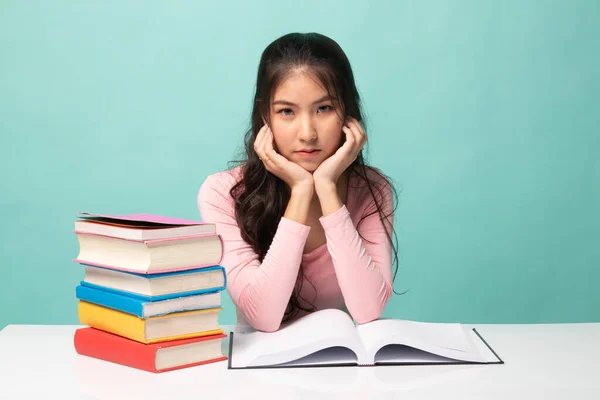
[(306, 225)]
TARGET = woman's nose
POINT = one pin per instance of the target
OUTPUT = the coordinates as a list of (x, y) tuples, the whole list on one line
[(308, 132)]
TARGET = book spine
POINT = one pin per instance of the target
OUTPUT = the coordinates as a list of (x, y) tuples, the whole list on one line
[(93, 343), (116, 301), (112, 321)]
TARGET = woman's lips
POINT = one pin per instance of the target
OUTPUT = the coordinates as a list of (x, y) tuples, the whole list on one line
[(308, 153)]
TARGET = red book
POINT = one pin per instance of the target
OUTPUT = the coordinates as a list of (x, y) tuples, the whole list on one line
[(157, 357)]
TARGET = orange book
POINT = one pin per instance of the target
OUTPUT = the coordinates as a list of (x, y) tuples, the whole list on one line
[(157, 357)]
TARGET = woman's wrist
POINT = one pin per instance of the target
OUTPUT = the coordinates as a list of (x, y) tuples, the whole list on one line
[(329, 198), (325, 187), (303, 190), (299, 204)]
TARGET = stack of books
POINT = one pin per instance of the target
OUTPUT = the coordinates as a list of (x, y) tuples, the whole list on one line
[(151, 295)]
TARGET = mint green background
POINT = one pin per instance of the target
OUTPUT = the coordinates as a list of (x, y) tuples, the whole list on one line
[(485, 113)]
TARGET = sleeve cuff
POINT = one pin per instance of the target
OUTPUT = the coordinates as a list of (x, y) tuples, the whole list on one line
[(336, 218)]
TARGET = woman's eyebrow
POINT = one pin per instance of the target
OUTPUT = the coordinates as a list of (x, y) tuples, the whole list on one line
[(289, 103)]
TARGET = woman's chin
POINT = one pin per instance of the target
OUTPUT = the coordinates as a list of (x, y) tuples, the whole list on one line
[(309, 166)]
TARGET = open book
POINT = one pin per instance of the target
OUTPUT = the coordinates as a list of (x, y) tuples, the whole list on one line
[(330, 338)]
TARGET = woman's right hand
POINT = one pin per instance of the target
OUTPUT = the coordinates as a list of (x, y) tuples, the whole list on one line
[(291, 173)]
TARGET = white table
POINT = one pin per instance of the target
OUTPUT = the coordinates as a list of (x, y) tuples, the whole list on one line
[(553, 361)]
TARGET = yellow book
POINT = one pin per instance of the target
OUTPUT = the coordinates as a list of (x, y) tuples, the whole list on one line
[(180, 325)]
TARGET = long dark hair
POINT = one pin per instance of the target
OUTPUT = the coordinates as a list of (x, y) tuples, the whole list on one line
[(260, 197)]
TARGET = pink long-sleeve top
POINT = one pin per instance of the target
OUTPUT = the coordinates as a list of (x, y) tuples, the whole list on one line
[(347, 272)]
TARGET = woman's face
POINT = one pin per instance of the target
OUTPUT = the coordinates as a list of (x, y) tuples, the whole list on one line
[(306, 128)]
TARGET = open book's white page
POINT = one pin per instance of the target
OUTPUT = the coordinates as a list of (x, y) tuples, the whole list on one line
[(332, 355), (396, 353), (446, 340), (308, 335)]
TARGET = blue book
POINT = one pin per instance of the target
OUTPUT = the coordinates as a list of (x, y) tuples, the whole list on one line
[(156, 287), (144, 308)]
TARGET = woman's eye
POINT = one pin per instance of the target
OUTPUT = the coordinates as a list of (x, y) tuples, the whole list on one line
[(284, 111), (289, 112)]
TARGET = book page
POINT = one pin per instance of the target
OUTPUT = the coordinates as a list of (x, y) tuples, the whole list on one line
[(397, 353), (329, 356), (307, 335), (441, 339)]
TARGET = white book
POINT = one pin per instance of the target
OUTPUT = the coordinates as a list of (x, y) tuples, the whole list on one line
[(146, 243), (154, 256), (157, 286), (330, 338)]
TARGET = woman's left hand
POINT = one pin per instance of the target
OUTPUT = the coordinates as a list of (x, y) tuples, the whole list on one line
[(332, 168)]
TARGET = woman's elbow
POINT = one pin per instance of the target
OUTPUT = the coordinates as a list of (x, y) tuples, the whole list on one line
[(268, 327), (264, 322), (260, 318), (371, 315), (375, 309)]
